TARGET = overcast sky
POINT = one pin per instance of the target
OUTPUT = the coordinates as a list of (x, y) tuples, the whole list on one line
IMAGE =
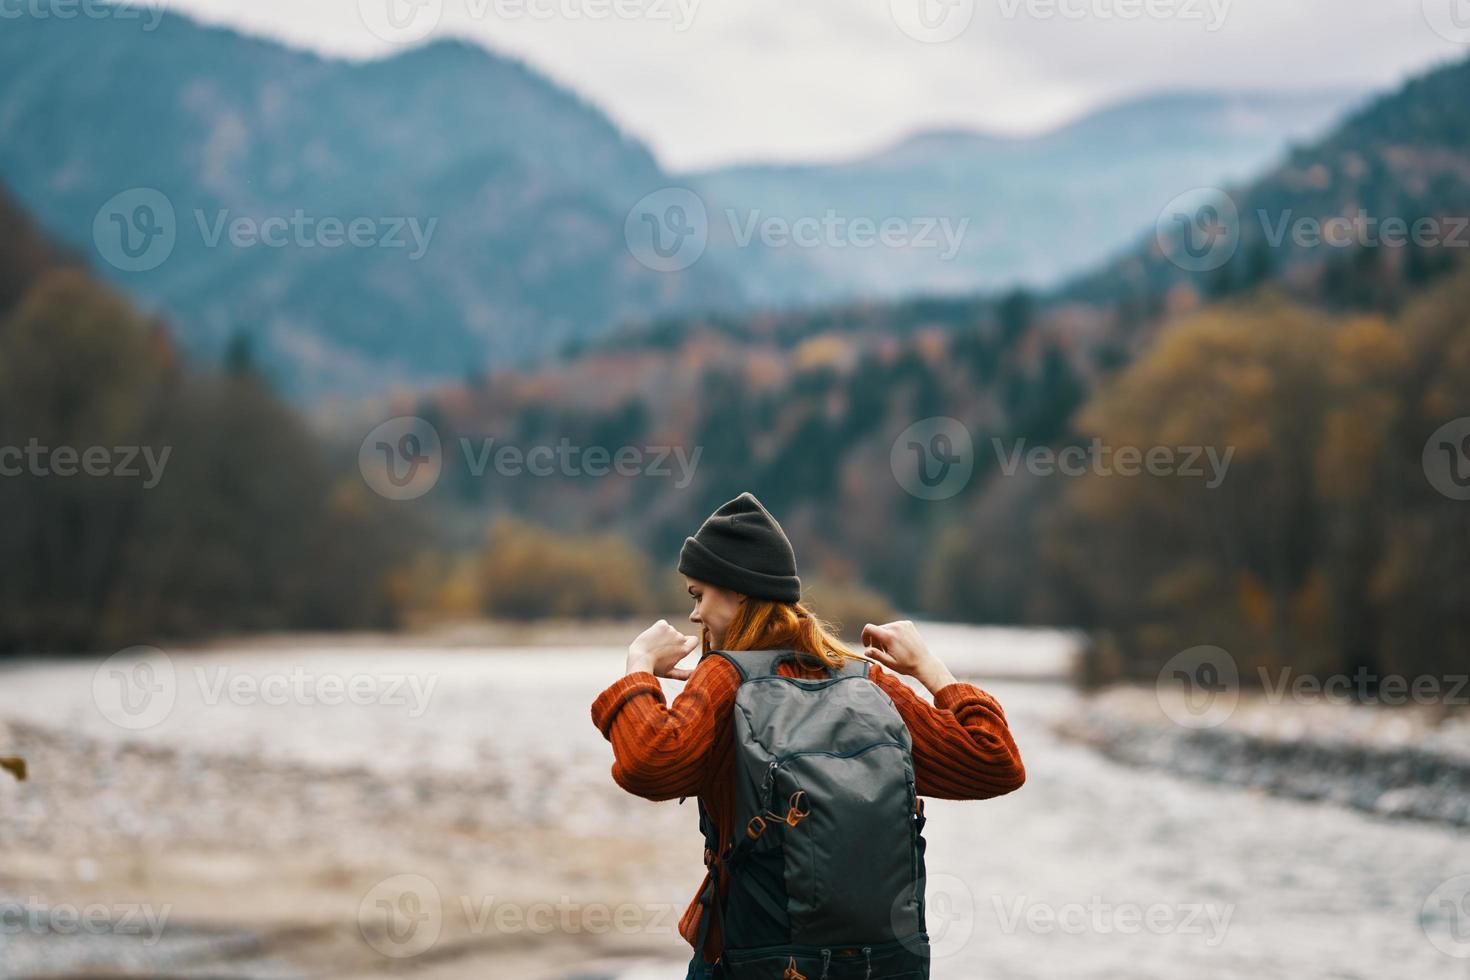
[(715, 81)]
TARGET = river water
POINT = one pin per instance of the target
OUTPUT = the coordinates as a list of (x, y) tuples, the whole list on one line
[(1091, 870)]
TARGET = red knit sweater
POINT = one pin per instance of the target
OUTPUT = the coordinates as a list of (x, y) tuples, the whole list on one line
[(962, 747)]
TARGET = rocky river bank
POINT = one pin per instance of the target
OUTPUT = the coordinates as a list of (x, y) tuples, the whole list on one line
[(1410, 762)]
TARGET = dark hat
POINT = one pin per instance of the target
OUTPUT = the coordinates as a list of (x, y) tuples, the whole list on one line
[(741, 547)]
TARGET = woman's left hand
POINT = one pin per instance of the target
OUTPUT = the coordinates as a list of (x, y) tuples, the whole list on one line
[(658, 648)]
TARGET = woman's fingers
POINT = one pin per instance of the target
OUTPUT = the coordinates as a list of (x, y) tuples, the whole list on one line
[(882, 656), (877, 636), (680, 673)]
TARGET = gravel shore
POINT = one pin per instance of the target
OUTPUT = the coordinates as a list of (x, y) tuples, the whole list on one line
[(1410, 762), (199, 864)]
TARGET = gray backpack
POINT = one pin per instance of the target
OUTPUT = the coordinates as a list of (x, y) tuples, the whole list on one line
[(826, 862)]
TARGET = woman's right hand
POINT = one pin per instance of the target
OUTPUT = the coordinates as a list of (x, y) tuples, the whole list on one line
[(658, 648), (899, 647)]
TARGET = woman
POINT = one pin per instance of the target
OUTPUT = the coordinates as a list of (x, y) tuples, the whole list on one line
[(741, 573)]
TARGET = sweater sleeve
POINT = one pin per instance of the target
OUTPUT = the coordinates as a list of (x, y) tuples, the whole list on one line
[(963, 748), (661, 750)]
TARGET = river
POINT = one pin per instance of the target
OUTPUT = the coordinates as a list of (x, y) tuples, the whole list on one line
[(1091, 870)]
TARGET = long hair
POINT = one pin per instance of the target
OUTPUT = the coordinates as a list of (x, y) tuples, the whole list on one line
[(767, 624)]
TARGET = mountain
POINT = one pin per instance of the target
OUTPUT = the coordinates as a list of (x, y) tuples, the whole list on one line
[(490, 203), (1401, 159), (812, 408), (1032, 211)]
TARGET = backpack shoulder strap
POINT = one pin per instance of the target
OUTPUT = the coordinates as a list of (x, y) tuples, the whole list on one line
[(752, 663), (762, 663)]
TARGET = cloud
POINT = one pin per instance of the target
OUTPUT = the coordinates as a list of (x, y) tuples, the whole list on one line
[(706, 82)]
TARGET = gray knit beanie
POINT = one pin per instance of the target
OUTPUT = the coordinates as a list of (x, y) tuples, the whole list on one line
[(741, 547)]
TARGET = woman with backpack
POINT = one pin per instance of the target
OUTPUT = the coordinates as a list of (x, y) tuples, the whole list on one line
[(808, 761)]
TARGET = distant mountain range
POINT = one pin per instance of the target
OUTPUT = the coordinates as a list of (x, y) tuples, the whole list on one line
[(527, 188), (1035, 210), (489, 206)]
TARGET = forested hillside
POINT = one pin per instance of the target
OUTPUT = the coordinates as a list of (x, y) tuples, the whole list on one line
[(150, 500)]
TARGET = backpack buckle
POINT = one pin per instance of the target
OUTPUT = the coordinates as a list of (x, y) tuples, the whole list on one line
[(755, 827), (795, 814)]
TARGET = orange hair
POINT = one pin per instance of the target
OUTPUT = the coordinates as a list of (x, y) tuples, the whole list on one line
[(767, 624)]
